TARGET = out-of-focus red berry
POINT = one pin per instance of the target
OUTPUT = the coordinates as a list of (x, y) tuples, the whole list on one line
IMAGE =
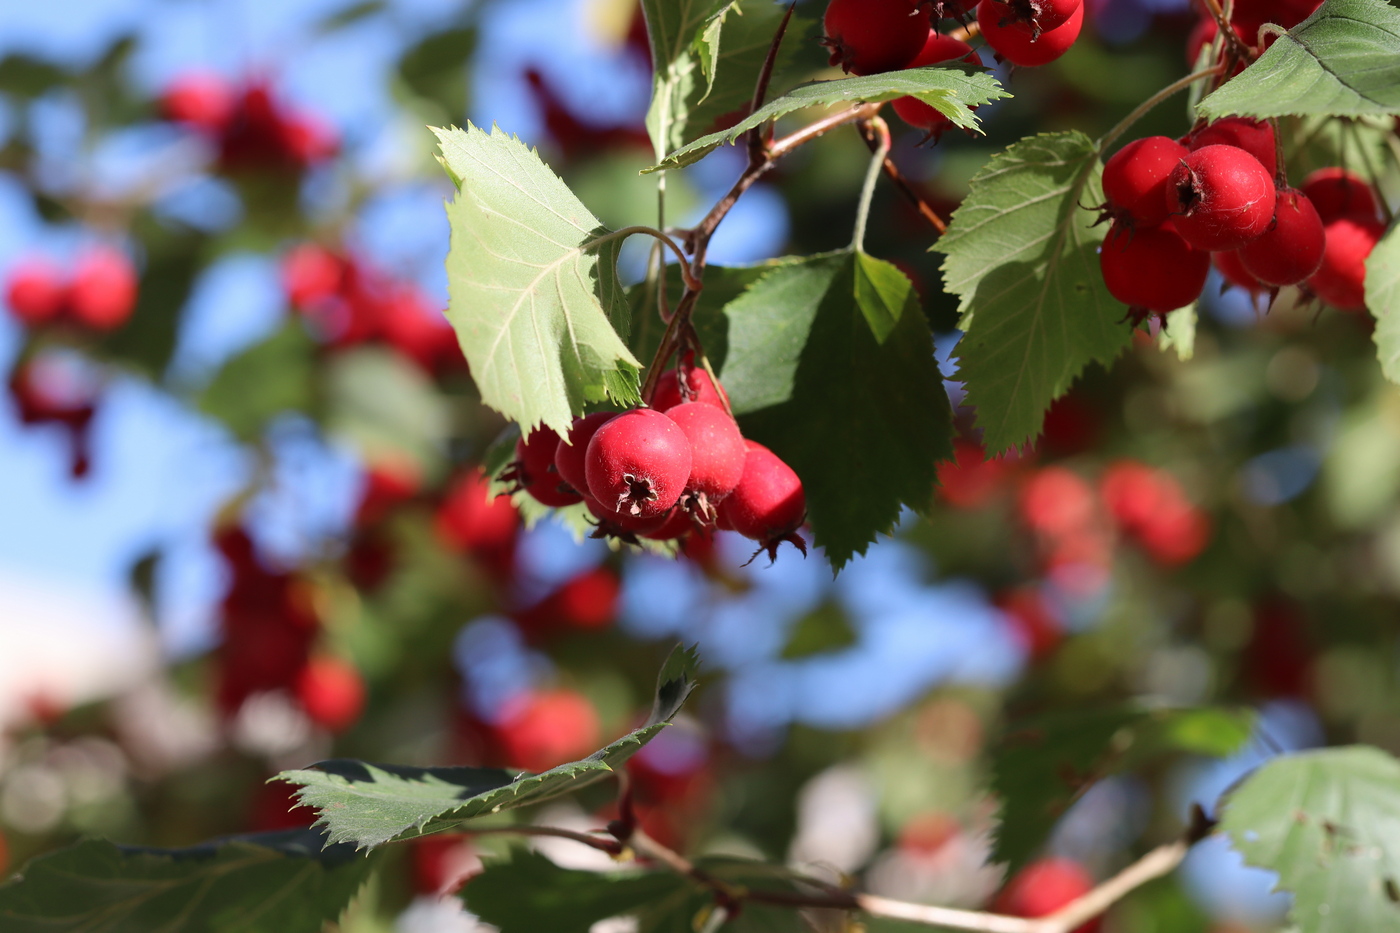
[(1056, 501), (927, 833), (540, 730), (275, 808), (1032, 621), (388, 485), (311, 274), (1279, 657), (1043, 887), (586, 601), (970, 479), (200, 99), (1150, 505), (308, 140), (332, 692), (470, 519), (102, 292), (35, 291), (442, 863)]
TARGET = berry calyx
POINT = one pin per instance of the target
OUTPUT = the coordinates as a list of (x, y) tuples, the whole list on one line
[(1220, 198), (1291, 249), (102, 293), (1336, 192), (937, 48), (870, 36), (1018, 46), (1035, 16), (698, 387), (718, 454), (569, 458), (1152, 269), (533, 470), (638, 463), (1253, 136), (610, 523), (35, 291), (1341, 279), (1135, 180), (769, 503)]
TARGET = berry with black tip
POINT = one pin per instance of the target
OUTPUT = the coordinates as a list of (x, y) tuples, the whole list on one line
[(769, 503), (638, 463), (1034, 16), (1135, 180), (1017, 46), (718, 454), (870, 36), (1220, 198)]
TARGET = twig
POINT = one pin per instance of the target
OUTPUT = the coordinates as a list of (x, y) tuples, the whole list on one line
[(1141, 110), (603, 843), (872, 175), (661, 237), (1238, 50), (760, 91), (869, 132)]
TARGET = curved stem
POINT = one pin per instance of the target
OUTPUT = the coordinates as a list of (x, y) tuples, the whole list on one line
[(1141, 109), (872, 174), (690, 282), (605, 843)]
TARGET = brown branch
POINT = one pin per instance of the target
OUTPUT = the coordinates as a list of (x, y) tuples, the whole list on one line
[(873, 132), (760, 91), (1238, 50), (603, 843)]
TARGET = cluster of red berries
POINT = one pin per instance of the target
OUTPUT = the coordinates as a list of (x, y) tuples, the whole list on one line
[(872, 36), (270, 627), (98, 294), (58, 389), (1220, 195), (349, 302), (1245, 19), (251, 129), (664, 472)]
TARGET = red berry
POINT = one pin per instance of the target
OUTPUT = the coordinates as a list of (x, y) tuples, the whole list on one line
[(1018, 46), (102, 294), (35, 291), (1043, 887), (1220, 198), (311, 274), (638, 463), (1336, 192), (717, 454), (588, 600), (388, 485), (1152, 268), (1231, 267), (698, 388), (569, 458), (200, 99), (678, 524), (1055, 501), (769, 504), (533, 470), (470, 519), (1135, 180), (332, 692), (937, 48), (1249, 15), (1291, 249), (1253, 136), (1341, 279), (614, 524), (1034, 16), (871, 36), (548, 728)]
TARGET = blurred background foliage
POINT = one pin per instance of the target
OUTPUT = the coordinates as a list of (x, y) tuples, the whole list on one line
[(243, 529)]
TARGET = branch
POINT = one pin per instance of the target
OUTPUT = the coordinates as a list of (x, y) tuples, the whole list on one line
[(760, 90), (870, 133), (605, 844), (1140, 110)]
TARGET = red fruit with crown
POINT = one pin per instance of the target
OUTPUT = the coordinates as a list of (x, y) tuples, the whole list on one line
[(638, 464), (1033, 16), (533, 470), (1135, 180), (769, 503), (717, 455), (1291, 249), (1018, 46), (1220, 198), (870, 36)]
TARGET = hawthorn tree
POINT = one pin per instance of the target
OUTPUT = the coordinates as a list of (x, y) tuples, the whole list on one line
[(1142, 512)]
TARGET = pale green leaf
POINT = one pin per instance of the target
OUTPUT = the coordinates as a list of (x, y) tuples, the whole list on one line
[(370, 805), (1179, 334), (1022, 255), (831, 364), (951, 89), (283, 882), (1344, 60), (537, 307), (1327, 822), (1383, 300)]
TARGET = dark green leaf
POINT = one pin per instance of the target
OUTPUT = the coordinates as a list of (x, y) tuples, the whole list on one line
[(1045, 764), (436, 69), (1022, 254), (1327, 822), (951, 90), (372, 804), (684, 37), (24, 76), (537, 306), (1344, 60), (148, 339), (1383, 300), (831, 365), (262, 382), (266, 883), (824, 630)]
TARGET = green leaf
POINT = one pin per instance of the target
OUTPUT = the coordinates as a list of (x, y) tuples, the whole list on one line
[(1383, 300), (1344, 60), (823, 631), (831, 365), (529, 893), (370, 805), (386, 406), (436, 68), (1327, 822), (1045, 764), (25, 76), (265, 883), (1022, 254), (1179, 334), (950, 89), (262, 382), (538, 308)]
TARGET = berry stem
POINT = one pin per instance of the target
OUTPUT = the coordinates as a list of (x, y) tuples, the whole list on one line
[(872, 175), (1141, 110), (1373, 171), (1238, 50), (690, 282), (869, 134)]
